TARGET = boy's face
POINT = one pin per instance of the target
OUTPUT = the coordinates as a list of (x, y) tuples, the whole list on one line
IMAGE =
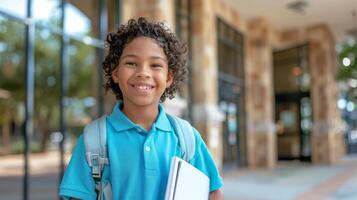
[(143, 73)]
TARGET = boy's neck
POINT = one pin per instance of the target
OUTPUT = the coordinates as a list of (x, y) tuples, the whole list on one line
[(143, 116)]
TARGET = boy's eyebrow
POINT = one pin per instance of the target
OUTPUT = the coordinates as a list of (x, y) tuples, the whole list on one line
[(152, 57), (158, 57)]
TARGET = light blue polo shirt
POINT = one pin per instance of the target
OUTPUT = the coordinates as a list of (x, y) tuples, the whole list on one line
[(139, 160)]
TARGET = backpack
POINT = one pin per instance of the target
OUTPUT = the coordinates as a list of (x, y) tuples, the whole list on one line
[(95, 140)]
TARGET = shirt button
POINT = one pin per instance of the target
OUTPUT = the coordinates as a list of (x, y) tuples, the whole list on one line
[(147, 148)]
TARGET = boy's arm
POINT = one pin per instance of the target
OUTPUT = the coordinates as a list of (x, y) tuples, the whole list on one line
[(203, 161), (77, 181), (216, 195)]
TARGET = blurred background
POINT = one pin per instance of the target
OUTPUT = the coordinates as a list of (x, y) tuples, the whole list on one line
[(272, 89)]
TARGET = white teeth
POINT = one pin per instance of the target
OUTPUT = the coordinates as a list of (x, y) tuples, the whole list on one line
[(143, 87)]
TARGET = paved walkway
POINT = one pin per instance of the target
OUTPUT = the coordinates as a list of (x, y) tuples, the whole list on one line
[(44, 176), (295, 181), (289, 181)]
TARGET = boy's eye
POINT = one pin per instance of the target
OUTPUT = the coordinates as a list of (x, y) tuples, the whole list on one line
[(130, 64), (156, 66)]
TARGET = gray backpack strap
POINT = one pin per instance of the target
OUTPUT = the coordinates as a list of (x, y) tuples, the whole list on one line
[(95, 140), (184, 132)]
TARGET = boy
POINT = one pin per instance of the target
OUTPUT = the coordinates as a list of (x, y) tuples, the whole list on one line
[(144, 66)]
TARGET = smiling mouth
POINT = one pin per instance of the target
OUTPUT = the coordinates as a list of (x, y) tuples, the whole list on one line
[(143, 88)]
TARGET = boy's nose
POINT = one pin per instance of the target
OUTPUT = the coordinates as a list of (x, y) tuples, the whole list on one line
[(143, 72)]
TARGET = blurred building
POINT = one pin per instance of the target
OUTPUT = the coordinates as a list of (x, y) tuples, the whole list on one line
[(256, 94)]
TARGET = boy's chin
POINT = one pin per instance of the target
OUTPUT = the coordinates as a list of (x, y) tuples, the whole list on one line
[(144, 102)]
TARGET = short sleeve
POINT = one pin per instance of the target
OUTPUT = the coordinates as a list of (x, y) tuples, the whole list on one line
[(77, 181), (203, 161)]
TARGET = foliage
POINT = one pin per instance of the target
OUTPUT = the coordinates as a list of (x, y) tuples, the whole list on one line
[(348, 51), (346, 74), (79, 77)]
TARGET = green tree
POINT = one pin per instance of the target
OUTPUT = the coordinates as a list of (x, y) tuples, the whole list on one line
[(12, 75), (348, 74), (47, 77)]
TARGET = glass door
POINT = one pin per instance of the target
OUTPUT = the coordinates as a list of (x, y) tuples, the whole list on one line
[(293, 109)]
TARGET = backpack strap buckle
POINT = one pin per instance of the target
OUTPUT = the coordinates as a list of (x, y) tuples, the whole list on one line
[(94, 162)]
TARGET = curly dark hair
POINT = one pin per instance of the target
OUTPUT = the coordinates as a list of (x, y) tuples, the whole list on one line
[(173, 49)]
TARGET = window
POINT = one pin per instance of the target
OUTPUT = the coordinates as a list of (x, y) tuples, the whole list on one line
[(74, 46), (291, 70), (231, 92), (12, 88)]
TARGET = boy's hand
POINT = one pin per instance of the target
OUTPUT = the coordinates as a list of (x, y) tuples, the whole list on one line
[(216, 195)]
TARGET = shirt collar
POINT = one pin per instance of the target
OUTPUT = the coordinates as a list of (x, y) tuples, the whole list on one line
[(162, 122), (121, 122)]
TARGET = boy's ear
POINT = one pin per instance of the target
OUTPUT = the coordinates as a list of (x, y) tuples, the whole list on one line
[(169, 80), (115, 75)]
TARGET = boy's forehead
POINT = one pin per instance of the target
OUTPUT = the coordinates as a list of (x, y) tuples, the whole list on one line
[(138, 55), (143, 46), (143, 40)]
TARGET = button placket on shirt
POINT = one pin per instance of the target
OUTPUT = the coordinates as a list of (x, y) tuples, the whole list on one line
[(149, 155)]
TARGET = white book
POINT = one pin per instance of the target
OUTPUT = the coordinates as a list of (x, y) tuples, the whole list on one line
[(186, 182)]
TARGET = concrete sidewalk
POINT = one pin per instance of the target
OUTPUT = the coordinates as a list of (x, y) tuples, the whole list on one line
[(40, 163), (289, 181), (294, 181), (44, 176)]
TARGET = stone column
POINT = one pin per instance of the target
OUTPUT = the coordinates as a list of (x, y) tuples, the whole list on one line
[(207, 117), (162, 10), (327, 139), (261, 138)]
